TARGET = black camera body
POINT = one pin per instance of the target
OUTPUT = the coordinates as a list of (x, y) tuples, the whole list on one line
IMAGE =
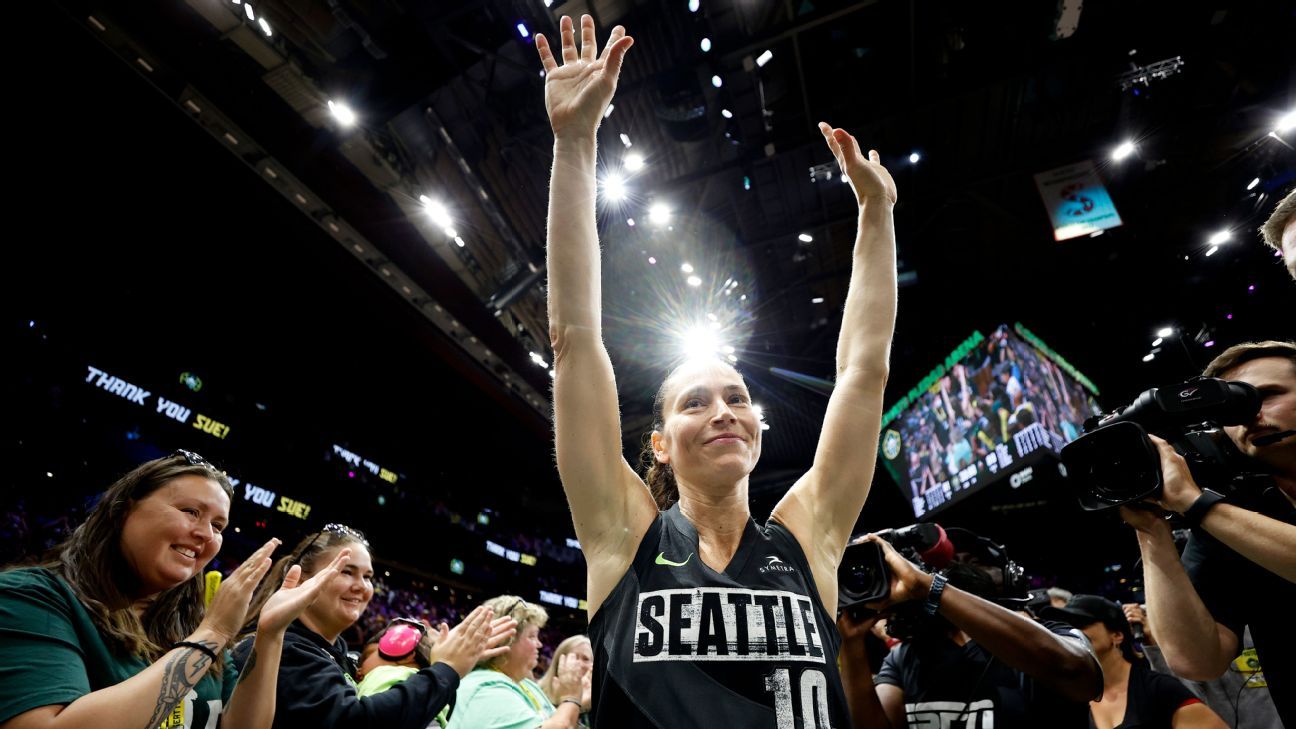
[(1115, 462), (863, 575)]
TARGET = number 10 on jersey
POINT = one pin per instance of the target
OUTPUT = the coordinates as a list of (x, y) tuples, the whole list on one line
[(812, 687)]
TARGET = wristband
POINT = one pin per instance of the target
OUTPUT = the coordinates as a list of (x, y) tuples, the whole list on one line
[(580, 708), (1197, 511), (934, 595), (199, 647)]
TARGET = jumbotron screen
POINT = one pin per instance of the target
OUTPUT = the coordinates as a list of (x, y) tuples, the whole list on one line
[(995, 405)]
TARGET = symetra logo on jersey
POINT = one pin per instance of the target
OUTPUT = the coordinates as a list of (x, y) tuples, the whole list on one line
[(774, 564), (727, 624)]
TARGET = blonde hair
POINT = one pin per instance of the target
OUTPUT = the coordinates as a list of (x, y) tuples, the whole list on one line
[(565, 647), (1272, 230), (525, 613)]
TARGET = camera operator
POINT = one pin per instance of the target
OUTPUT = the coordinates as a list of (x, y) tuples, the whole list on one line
[(972, 662), (1240, 562)]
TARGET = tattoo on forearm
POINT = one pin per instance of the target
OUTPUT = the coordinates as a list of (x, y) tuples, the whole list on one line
[(178, 676), (248, 665)]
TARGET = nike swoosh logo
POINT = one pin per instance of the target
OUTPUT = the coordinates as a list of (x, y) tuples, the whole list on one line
[(661, 559)]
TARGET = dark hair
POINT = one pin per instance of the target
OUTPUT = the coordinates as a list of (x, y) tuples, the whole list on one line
[(307, 553), (1247, 351), (659, 476), (90, 560)]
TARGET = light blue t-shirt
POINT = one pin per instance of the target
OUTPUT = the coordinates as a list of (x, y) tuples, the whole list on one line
[(488, 699)]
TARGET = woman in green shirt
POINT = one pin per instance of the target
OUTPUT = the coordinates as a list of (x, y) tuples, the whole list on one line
[(113, 631)]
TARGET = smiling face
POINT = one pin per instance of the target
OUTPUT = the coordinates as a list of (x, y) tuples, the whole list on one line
[(170, 535), (341, 603), (710, 433), (524, 654)]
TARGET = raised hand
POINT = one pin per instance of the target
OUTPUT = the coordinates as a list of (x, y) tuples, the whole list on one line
[(228, 609), (578, 91), (1145, 517), (908, 582), (465, 645), (868, 177), (295, 596), (572, 680), (1178, 489)]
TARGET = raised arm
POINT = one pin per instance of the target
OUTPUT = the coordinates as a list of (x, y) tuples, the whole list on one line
[(1195, 646), (610, 504), (148, 697), (1261, 539), (822, 507), (1065, 665)]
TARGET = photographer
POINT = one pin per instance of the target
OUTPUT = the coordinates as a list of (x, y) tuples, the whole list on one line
[(972, 662), (1240, 562)]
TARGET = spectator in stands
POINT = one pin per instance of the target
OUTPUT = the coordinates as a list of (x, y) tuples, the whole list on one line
[(1058, 597), (1133, 695), (577, 646), (502, 692), (112, 631), (316, 685)]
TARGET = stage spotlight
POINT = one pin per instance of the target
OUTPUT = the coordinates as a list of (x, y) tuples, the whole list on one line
[(625, 139), (694, 281), (1219, 237), (522, 30), (686, 267), (1149, 357), (717, 82), (705, 45), (1123, 150), (726, 113), (634, 162), (1252, 184), (914, 157), (805, 238), (694, 5), (764, 58), (1165, 332)]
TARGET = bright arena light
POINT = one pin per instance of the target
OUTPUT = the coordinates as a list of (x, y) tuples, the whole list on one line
[(1219, 237), (342, 113), (1123, 150), (659, 214), (436, 211), (699, 343), (614, 188), (634, 162)]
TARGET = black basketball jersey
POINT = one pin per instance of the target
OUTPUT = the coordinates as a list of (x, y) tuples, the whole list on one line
[(678, 645)]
